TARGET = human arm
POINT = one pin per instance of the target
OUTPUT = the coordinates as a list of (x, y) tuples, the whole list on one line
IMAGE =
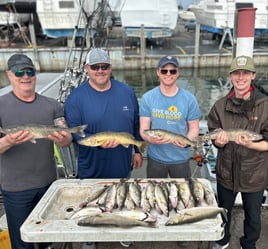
[(193, 129), (10, 140), (259, 146)]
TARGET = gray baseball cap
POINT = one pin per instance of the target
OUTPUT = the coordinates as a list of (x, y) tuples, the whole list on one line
[(19, 61), (96, 56)]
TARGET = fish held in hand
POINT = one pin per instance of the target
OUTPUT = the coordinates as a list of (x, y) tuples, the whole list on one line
[(42, 131), (171, 136), (232, 134), (195, 214), (124, 138)]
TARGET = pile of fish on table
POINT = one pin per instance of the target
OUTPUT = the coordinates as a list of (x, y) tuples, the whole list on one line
[(139, 202)]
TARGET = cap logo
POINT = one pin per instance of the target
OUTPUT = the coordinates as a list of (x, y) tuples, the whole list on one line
[(169, 57), (242, 61)]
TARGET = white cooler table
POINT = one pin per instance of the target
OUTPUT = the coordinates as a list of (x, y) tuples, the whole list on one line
[(48, 221)]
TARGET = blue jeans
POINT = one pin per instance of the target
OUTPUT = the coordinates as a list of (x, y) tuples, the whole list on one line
[(252, 209), (18, 206)]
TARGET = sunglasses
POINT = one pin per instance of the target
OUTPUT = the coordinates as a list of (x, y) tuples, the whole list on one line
[(171, 71), (102, 67), (29, 72)]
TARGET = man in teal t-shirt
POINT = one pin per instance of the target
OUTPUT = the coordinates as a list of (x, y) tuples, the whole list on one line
[(174, 109)]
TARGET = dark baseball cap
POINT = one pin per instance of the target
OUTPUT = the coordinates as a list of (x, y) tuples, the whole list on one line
[(168, 59), (19, 61)]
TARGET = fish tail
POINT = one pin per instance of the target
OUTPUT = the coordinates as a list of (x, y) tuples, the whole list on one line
[(203, 138), (80, 130), (142, 145), (197, 145), (224, 215)]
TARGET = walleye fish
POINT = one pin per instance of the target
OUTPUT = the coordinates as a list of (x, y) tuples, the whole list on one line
[(161, 199), (161, 133), (135, 193), (96, 191), (42, 131), (232, 134), (129, 203), (209, 196), (150, 193), (186, 195), (121, 193), (145, 204), (137, 215), (113, 220), (195, 214), (173, 194), (197, 191), (84, 212), (110, 199), (124, 138)]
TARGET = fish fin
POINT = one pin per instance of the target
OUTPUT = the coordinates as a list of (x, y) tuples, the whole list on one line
[(80, 130), (125, 145), (33, 141), (142, 146)]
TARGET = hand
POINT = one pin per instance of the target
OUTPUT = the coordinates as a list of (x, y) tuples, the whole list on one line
[(137, 161), (243, 140), (62, 138), (18, 137), (180, 143), (158, 140), (112, 143), (222, 139)]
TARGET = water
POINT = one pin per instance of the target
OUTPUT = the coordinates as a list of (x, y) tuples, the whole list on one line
[(207, 84)]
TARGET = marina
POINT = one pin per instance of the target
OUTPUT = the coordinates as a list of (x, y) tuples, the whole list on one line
[(60, 36)]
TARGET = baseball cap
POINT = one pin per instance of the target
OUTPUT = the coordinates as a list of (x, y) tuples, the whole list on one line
[(19, 61), (242, 62), (168, 59), (96, 56)]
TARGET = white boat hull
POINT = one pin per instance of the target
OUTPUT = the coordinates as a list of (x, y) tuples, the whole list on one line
[(221, 14)]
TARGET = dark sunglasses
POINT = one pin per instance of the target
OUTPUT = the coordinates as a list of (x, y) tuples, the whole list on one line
[(171, 71), (29, 72), (102, 67)]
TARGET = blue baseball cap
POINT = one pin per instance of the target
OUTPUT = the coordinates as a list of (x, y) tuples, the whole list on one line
[(168, 59)]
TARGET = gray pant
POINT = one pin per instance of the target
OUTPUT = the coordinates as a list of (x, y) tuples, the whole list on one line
[(161, 170)]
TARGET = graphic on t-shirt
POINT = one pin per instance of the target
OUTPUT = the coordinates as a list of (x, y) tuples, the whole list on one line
[(171, 113)]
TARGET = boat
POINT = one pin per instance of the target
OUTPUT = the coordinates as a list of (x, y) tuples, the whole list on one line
[(158, 18), (62, 18), (14, 16), (216, 15), (10, 18)]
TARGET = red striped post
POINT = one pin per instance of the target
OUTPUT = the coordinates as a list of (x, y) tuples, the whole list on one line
[(245, 31)]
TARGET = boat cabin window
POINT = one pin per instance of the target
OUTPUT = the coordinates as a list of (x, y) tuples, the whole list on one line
[(66, 4)]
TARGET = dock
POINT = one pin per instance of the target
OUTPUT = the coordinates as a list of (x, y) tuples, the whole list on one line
[(51, 56)]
